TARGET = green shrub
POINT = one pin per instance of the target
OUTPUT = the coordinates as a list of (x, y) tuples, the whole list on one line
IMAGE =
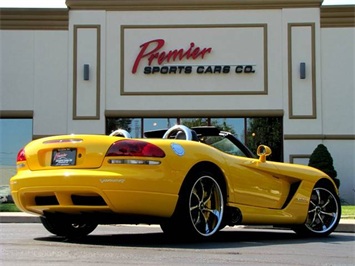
[(322, 160)]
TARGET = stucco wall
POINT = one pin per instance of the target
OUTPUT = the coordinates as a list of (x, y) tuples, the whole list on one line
[(338, 97), (34, 74), (42, 60)]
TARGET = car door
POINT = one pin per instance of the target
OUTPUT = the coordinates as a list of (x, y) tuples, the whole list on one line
[(256, 183)]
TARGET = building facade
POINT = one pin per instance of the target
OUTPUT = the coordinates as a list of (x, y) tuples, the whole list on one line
[(70, 70)]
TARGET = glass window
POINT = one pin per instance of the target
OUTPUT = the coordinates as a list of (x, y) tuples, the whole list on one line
[(150, 124), (236, 126), (223, 144), (195, 122), (250, 131), (14, 134), (136, 126), (233, 125), (132, 125), (267, 131)]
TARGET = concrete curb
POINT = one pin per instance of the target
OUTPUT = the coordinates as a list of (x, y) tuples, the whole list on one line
[(345, 225), (18, 217)]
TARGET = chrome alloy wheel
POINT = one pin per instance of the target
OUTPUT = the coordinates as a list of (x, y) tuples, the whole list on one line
[(206, 206), (323, 212)]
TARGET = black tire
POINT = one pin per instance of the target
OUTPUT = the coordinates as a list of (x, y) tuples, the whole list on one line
[(200, 209), (66, 227), (324, 213)]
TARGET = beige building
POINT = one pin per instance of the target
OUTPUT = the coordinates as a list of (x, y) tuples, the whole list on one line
[(68, 70)]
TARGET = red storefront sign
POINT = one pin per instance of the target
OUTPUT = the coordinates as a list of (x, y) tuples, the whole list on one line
[(152, 51)]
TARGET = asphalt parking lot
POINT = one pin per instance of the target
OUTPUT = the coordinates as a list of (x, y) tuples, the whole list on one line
[(345, 225)]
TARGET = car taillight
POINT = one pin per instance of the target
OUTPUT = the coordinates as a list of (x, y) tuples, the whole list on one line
[(137, 148), (21, 155)]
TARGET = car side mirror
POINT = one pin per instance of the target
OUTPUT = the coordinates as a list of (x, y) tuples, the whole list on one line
[(263, 151)]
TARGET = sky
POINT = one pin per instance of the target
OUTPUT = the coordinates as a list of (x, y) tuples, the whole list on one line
[(61, 3)]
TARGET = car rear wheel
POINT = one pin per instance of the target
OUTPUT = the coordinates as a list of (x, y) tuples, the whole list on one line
[(200, 208), (323, 214), (67, 227)]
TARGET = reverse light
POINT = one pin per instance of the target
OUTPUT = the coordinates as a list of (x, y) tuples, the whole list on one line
[(137, 148), (140, 162), (71, 140)]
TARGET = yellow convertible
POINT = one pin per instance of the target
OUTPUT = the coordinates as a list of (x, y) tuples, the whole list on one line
[(192, 182)]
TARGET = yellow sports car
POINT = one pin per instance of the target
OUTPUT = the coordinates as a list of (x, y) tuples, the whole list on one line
[(192, 182)]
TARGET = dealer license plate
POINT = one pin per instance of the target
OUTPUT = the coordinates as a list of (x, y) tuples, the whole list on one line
[(63, 157)]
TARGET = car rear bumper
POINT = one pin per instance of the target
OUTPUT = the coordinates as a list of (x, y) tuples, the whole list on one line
[(83, 191)]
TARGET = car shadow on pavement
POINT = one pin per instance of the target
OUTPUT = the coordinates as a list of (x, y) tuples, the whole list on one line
[(224, 239)]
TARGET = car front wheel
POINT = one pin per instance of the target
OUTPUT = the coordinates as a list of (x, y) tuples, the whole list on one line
[(66, 227), (324, 213)]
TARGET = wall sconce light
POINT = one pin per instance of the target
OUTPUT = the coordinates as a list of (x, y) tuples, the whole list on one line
[(302, 70), (86, 72)]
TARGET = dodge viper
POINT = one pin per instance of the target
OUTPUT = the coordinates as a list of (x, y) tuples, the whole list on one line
[(191, 181)]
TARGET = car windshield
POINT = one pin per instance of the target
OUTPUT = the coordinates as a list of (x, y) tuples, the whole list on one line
[(223, 144)]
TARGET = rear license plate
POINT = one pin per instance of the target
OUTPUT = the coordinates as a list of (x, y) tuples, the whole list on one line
[(63, 157)]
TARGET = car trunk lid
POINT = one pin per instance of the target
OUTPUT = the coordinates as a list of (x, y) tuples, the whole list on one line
[(71, 151)]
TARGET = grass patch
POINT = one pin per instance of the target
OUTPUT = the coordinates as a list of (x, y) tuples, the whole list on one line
[(8, 207), (348, 211)]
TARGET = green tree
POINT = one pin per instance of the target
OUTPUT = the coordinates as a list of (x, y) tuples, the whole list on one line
[(322, 160), (268, 131), (196, 122), (118, 123), (223, 126)]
